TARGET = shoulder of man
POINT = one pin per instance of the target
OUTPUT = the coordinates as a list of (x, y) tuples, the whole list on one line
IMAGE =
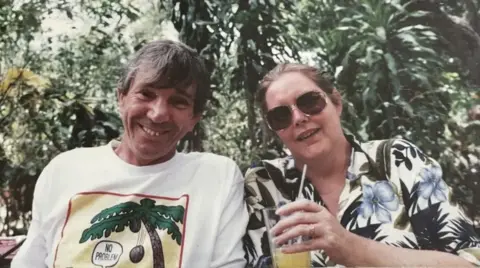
[(77, 154), (207, 158), (219, 166)]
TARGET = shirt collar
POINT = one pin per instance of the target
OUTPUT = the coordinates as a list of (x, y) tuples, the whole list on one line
[(286, 176)]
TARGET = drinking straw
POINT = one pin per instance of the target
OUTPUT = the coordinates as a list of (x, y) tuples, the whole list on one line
[(302, 181)]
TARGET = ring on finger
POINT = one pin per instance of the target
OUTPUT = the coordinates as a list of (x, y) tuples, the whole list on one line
[(311, 231)]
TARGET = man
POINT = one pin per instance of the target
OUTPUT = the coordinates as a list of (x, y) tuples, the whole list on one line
[(137, 202)]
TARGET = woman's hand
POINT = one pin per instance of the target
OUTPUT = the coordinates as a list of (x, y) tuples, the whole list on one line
[(306, 218)]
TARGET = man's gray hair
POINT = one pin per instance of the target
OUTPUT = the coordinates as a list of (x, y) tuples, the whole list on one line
[(169, 64)]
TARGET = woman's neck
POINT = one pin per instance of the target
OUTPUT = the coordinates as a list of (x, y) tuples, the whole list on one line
[(329, 176)]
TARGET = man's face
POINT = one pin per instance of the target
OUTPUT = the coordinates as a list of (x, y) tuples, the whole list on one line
[(154, 121)]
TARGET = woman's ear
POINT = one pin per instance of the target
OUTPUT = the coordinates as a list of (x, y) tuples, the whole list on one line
[(336, 99)]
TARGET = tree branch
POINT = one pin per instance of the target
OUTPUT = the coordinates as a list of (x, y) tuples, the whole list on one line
[(460, 37), (471, 14)]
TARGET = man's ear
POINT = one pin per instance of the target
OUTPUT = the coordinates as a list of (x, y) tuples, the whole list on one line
[(195, 119), (120, 98)]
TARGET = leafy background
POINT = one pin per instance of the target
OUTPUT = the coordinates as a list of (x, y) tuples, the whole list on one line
[(405, 69)]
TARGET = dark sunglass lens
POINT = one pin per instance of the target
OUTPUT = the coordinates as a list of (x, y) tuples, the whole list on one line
[(311, 103), (279, 117)]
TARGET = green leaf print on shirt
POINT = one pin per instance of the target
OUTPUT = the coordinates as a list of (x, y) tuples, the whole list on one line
[(132, 214)]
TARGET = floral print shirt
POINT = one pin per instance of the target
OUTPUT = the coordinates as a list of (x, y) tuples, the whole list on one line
[(394, 194)]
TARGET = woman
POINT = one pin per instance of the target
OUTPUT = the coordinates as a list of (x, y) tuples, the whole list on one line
[(365, 204)]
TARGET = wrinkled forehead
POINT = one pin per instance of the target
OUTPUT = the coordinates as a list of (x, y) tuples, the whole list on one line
[(166, 78)]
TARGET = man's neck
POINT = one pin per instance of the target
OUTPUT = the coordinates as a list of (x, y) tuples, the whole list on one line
[(128, 156)]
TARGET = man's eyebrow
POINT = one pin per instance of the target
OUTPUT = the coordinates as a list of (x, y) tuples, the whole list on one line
[(177, 91), (184, 93)]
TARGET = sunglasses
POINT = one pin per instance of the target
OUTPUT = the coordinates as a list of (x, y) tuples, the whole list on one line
[(310, 103)]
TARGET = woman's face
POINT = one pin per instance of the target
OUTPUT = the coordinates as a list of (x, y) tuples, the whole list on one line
[(307, 136)]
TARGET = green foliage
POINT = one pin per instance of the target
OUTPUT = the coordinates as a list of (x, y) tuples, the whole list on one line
[(66, 100)]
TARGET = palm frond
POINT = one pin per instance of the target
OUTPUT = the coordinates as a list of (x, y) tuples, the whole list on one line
[(407, 243), (122, 208), (429, 228), (255, 221), (147, 203), (175, 213), (370, 231), (267, 199), (108, 225), (249, 248), (464, 233), (165, 224), (287, 190), (413, 205), (351, 213)]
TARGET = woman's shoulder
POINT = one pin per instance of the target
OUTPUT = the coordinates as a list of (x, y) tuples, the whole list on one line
[(266, 168), (403, 162), (400, 151), (393, 147), (270, 182)]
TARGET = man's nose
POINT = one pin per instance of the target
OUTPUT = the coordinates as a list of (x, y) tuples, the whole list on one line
[(158, 111)]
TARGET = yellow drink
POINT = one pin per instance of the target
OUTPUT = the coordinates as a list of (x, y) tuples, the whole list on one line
[(294, 260)]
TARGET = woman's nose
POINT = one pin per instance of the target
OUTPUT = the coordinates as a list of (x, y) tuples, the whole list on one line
[(298, 117)]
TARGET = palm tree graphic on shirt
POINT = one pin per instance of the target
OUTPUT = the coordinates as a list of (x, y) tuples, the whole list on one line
[(132, 214)]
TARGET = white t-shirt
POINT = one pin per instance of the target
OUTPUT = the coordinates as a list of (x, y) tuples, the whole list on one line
[(92, 209)]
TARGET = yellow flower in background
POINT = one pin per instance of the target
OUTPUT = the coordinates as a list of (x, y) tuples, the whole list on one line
[(15, 75)]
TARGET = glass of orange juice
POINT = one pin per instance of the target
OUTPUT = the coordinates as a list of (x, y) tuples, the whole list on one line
[(284, 260)]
